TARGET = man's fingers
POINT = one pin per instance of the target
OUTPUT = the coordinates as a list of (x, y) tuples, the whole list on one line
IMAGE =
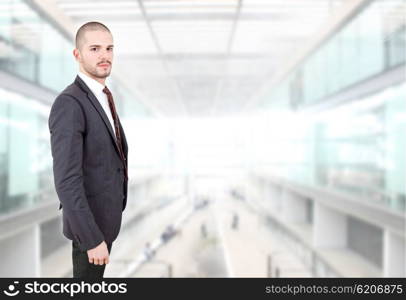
[(100, 261), (99, 255)]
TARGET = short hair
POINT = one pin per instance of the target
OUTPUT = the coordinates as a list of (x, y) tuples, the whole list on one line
[(89, 26)]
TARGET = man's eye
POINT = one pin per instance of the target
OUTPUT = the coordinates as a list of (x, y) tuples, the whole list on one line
[(93, 49)]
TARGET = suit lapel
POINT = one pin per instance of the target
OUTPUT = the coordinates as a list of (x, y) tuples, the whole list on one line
[(99, 109), (123, 139)]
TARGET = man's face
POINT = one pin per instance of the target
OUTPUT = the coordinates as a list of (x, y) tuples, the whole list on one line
[(95, 55)]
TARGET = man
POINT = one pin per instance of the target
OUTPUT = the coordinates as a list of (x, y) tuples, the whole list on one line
[(89, 152)]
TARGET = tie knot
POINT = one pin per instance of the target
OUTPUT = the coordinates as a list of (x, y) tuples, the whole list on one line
[(106, 91)]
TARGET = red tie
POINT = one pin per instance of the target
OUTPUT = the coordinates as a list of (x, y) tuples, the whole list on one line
[(117, 127)]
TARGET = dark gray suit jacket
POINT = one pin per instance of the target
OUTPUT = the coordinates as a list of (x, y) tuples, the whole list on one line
[(88, 171)]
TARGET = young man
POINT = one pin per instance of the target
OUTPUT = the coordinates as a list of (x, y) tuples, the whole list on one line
[(89, 152)]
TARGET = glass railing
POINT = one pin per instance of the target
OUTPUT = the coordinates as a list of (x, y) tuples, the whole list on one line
[(370, 43), (25, 157), (358, 148), (316, 265)]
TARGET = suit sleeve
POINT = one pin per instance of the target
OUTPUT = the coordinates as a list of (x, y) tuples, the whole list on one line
[(67, 128)]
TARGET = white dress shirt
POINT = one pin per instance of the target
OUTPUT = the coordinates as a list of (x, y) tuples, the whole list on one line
[(97, 90)]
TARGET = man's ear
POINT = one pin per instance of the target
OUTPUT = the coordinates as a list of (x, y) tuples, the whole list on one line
[(76, 54)]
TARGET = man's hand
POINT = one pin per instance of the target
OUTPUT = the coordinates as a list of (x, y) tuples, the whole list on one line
[(99, 255)]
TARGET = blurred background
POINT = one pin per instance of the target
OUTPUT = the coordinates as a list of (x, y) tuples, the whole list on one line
[(266, 137)]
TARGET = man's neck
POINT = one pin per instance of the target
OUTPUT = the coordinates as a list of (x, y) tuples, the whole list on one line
[(99, 80)]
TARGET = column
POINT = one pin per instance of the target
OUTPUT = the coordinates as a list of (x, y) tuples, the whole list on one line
[(20, 254), (394, 252), (330, 227)]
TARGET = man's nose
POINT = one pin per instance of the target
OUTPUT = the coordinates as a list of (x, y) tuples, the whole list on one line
[(104, 54)]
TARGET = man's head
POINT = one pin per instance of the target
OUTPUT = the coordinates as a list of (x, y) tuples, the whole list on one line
[(94, 50)]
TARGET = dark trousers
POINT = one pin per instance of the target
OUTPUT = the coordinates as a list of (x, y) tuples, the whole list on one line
[(81, 266)]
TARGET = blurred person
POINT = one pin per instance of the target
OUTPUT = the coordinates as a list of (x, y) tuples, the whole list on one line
[(148, 251), (89, 151), (168, 233), (203, 230), (235, 221)]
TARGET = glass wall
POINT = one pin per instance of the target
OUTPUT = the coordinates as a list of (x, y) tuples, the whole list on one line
[(32, 49), (369, 44), (25, 157), (361, 151), (357, 148)]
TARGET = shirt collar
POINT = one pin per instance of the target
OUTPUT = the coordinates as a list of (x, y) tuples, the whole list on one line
[(95, 86)]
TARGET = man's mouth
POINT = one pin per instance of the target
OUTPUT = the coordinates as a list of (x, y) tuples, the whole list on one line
[(104, 65)]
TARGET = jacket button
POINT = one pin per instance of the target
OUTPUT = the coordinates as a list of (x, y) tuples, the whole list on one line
[(118, 169)]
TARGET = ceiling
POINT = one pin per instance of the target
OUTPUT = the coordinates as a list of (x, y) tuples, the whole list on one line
[(202, 57)]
